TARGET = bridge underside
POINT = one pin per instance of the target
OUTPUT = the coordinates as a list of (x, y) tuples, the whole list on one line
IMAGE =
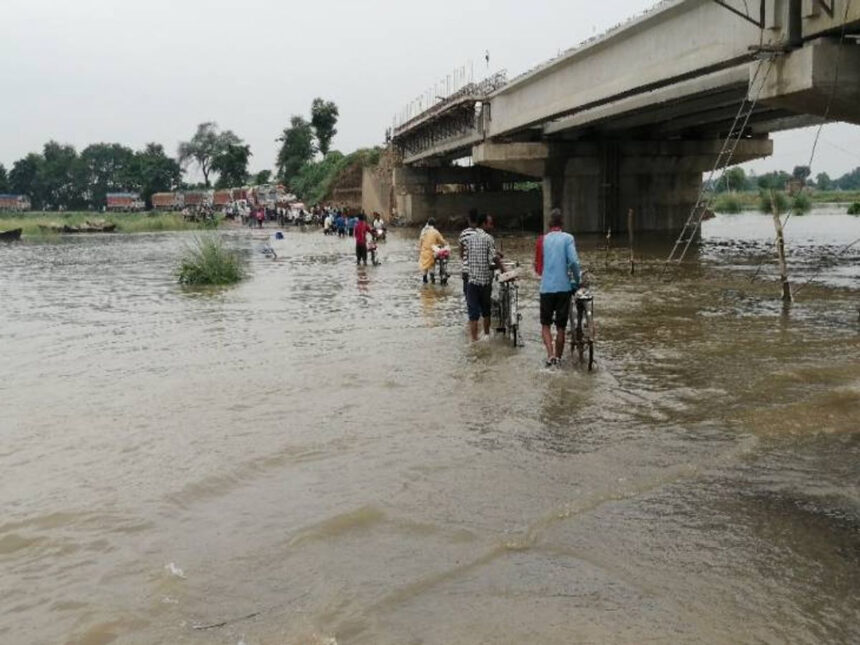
[(596, 183)]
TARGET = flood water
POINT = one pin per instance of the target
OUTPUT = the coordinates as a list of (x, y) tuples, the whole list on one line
[(318, 456)]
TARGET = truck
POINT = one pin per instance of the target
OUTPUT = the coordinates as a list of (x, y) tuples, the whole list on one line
[(124, 202), (222, 198), (197, 198), (167, 201), (14, 203)]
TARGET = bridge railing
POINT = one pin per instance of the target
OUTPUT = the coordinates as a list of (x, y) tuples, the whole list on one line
[(425, 106)]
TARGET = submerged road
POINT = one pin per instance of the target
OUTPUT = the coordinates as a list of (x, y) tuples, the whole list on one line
[(317, 455)]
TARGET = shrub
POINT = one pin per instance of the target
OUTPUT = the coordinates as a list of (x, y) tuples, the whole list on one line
[(208, 261), (854, 209), (727, 203), (801, 204), (765, 205)]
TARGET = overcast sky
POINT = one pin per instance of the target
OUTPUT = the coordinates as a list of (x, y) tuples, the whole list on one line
[(134, 71)]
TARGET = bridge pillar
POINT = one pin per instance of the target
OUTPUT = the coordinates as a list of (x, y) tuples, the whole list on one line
[(595, 183)]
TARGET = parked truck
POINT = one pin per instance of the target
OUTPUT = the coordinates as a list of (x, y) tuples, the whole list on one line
[(124, 202), (167, 201), (14, 203)]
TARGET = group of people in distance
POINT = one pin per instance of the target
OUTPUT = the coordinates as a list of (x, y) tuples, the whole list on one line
[(342, 224), (556, 262), (356, 226)]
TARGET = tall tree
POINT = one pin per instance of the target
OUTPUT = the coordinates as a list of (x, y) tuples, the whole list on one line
[(323, 119), (850, 180), (263, 177), (58, 176), (4, 179), (733, 179), (24, 178), (105, 168), (154, 172), (205, 146), (823, 181), (231, 164), (801, 172), (297, 147)]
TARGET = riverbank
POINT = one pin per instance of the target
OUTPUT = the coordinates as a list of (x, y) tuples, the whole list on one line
[(751, 200), (30, 223)]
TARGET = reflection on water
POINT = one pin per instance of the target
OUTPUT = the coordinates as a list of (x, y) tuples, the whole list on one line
[(323, 455)]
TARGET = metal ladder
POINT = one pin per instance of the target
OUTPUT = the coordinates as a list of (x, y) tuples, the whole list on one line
[(703, 201)]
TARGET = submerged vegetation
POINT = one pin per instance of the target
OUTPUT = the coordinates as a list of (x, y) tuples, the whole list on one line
[(801, 203), (728, 203), (36, 223), (209, 262), (767, 198)]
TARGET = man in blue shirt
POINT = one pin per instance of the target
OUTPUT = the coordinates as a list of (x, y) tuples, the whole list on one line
[(555, 260)]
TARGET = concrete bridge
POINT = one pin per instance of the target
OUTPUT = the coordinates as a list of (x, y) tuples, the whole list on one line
[(633, 118)]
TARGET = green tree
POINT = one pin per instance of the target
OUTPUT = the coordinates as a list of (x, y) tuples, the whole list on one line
[(105, 168), (323, 119), (801, 172), (205, 147), (775, 180), (24, 178), (4, 179), (733, 179), (297, 147), (231, 164), (59, 176), (823, 181), (850, 180), (154, 172), (263, 177)]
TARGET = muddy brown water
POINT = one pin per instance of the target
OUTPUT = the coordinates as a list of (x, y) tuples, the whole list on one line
[(317, 455)]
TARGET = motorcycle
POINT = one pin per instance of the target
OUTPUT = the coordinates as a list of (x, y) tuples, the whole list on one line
[(379, 234), (371, 249), (441, 254)]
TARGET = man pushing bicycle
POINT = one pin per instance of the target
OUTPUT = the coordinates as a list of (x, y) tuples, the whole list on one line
[(555, 260)]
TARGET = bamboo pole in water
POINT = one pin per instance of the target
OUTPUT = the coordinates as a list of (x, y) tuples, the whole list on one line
[(780, 248), (608, 245), (630, 238)]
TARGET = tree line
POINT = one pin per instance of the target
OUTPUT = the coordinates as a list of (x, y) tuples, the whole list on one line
[(61, 177), (736, 179)]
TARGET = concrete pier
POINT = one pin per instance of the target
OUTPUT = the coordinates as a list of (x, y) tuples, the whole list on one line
[(596, 183)]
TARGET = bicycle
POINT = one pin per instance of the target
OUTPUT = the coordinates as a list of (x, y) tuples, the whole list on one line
[(506, 302), (582, 328)]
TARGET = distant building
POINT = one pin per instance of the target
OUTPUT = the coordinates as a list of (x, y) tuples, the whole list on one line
[(15, 203)]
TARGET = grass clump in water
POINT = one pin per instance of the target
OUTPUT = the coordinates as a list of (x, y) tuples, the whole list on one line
[(801, 204), (854, 209), (727, 203), (765, 203), (209, 262)]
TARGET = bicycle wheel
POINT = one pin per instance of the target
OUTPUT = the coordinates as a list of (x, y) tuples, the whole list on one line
[(589, 332)]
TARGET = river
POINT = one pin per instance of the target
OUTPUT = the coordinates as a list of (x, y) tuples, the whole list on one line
[(317, 455)]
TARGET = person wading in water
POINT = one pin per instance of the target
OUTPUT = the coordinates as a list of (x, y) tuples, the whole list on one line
[(555, 260)]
